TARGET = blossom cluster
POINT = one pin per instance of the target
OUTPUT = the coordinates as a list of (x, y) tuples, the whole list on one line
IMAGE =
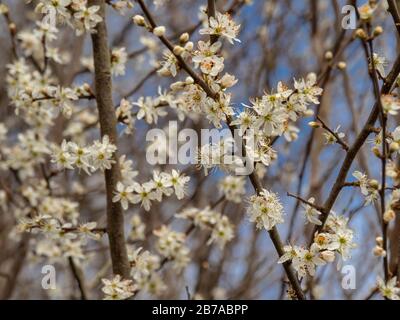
[(171, 245), (233, 188), (98, 156), (335, 238), (162, 184), (118, 288), (144, 267), (265, 210), (75, 13), (369, 187), (207, 219)]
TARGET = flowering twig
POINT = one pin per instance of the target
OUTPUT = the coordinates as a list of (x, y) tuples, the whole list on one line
[(356, 146), (339, 140), (274, 235), (313, 205), (384, 153)]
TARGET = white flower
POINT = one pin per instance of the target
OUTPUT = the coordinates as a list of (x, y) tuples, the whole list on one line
[(366, 11), (87, 229), (271, 117), (363, 181), (143, 262), (222, 231), (380, 63), (245, 120), (330, 138), (222, 25), (311, 213), (127, 172), (233, 188), (390, 104), (63, 98), (206, 57), (118, 61), (62, 157), (53, 9), (169, 66), (124, 194), (138, 228), (290, 252), (171, 245), (307, 260), (102, 153), (342, 241), (122, 5), (144, 195), (149, 110), (193, 98), (227, 81), (161, 185), (389, 290), (87, 18), (81, 156), (178, 181), (45, 31), (307, 89), (117, 289), (265, 210), (369, 188)]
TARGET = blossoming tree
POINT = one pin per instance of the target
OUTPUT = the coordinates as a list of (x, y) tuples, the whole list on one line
[(313, 113)]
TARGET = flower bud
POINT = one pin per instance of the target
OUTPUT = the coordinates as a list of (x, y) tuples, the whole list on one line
[(394, 146), (377, 31), (13, 28), (379, 241), (376, 152), (184, 38), (3, 9), (328, 256), (379, 252), (328, 55), (314, 124), (189, 80), (360, 33), (86, 86), (177, 85), (139, 20), (309, 113), (159, 31), (389, 215), (189, 46), (374, 184), (342, 65), (178, 50)]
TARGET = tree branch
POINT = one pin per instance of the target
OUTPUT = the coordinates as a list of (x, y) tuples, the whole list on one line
[(108, 122)]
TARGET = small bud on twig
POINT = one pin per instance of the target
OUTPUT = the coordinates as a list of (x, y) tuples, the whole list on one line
[(342, 65), (178, 50), (139, 20), (184, 38), (159, 31)]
